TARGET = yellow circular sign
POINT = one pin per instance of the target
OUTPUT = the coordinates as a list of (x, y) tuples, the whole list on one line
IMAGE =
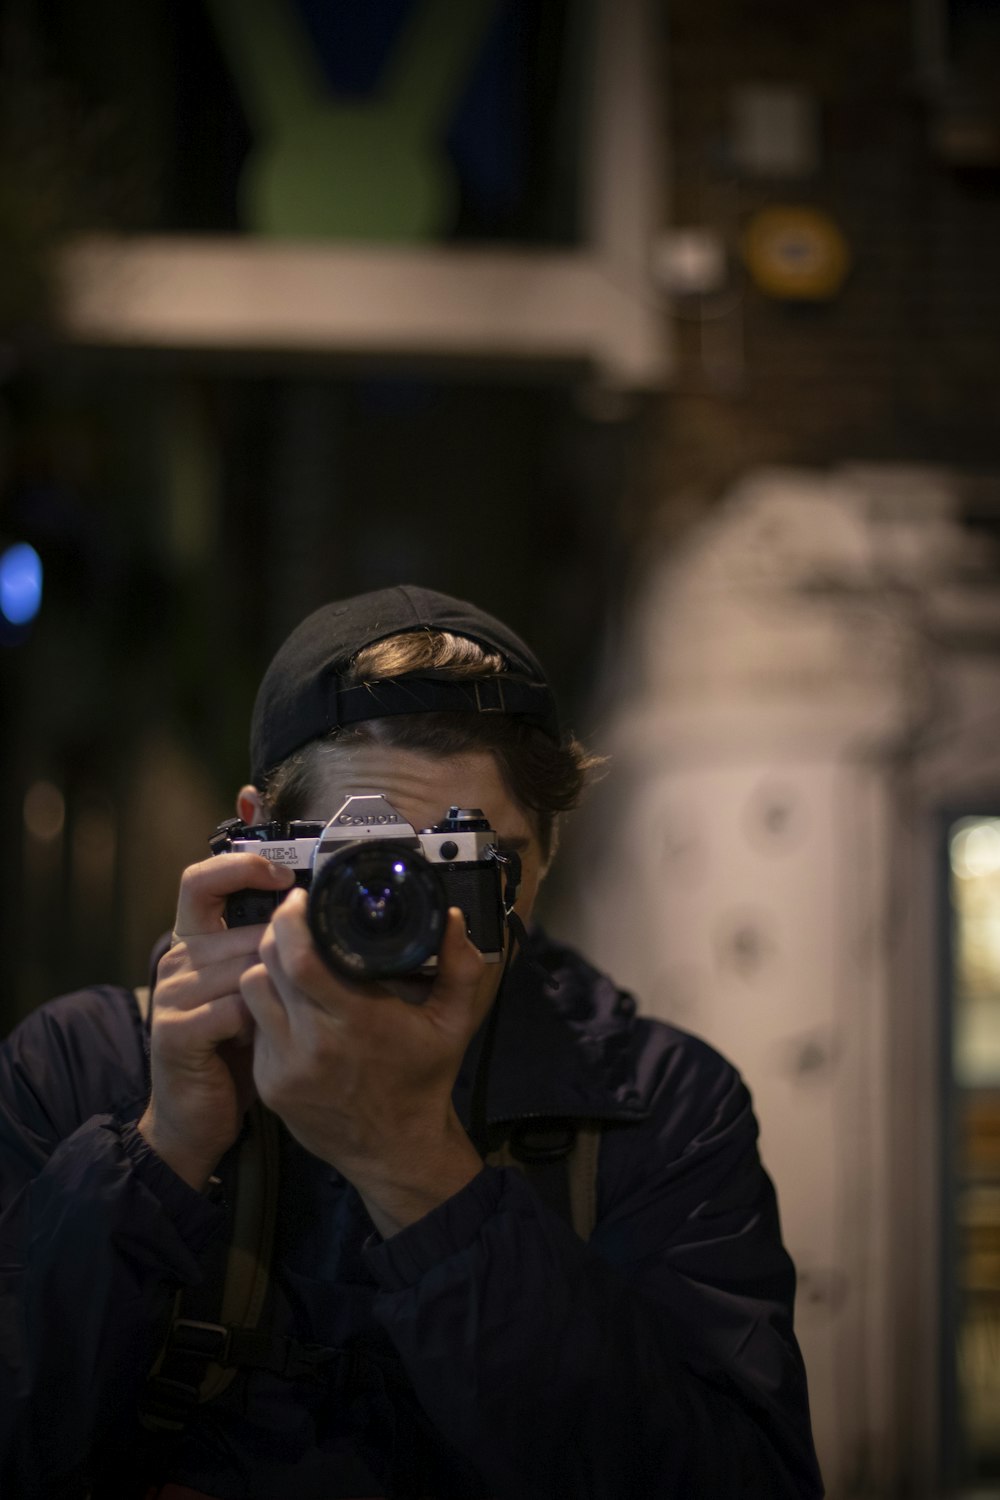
[(796, 253)]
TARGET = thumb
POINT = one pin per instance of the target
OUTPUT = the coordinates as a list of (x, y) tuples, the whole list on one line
[(460, 964)]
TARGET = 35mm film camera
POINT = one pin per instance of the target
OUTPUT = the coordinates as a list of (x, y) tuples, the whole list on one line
[(379, 891)]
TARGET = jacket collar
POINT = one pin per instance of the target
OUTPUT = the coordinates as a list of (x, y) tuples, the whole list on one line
[(562, 1050)]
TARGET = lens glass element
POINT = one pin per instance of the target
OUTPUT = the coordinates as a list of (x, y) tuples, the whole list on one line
[(377, 909)]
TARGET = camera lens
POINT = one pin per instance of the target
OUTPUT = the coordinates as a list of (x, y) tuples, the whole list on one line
[(376, 910)]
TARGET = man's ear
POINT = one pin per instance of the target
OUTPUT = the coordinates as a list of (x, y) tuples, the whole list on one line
[(553, 846), (250, 805)]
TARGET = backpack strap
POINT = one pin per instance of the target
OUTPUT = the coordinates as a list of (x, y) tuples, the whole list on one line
[(225, 1308), (213, 1330), (583, 1165), (559, 1159)]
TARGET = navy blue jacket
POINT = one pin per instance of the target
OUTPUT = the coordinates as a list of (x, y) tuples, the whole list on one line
[(504, 1357)]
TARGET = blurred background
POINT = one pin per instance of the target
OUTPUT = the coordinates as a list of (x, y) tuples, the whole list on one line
[(670, 331)]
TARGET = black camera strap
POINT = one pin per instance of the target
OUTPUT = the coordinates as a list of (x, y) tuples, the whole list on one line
[(510, 863), (478, 1124), (517, 939)]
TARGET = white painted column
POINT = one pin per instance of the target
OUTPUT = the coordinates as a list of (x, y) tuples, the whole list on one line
[(739, 869)]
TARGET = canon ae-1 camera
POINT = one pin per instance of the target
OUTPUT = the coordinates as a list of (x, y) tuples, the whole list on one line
[(379, 892)]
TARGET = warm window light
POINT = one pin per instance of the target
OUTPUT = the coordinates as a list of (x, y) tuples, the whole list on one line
[(975, 849)]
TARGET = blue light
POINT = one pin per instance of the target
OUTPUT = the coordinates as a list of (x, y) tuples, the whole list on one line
[(20, 584)]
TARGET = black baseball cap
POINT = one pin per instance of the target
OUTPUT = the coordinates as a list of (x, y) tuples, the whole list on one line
[(303, 696)]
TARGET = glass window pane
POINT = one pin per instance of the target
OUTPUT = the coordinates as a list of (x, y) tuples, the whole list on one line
[(974, 847)]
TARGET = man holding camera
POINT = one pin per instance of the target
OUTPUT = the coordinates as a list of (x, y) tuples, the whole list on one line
[(396, 1197)]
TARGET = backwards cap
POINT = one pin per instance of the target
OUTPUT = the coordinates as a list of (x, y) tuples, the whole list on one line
[(303, 696)]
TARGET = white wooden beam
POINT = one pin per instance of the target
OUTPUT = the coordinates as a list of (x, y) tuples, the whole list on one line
[(230, 293)]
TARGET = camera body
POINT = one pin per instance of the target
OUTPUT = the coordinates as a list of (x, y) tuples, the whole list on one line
[(379, 891)]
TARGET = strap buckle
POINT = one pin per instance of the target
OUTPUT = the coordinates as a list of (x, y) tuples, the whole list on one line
[(543, 1142), (206, 1340), (489, 687)]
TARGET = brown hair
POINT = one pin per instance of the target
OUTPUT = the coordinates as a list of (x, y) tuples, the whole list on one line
[(545, 778)]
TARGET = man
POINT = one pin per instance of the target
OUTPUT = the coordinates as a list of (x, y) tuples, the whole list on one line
[(431, 1325)]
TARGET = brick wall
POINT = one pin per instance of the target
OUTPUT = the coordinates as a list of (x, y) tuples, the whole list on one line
[(904, 364)]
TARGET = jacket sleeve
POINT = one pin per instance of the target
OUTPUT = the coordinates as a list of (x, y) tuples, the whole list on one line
[(95, 1232), (657, 1360)]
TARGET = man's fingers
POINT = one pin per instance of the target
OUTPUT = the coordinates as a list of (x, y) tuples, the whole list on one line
[(182, 986), (264, 1004), (288, 950), (460, 964), (199, 949), (205, 886), (295, 966), (184, 1033)]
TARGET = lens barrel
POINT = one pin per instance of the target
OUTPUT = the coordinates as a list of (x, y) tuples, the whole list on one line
[(376, 910)]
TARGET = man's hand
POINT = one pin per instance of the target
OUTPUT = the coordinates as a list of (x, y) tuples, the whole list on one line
[(362, 1078), (201, 1034)]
